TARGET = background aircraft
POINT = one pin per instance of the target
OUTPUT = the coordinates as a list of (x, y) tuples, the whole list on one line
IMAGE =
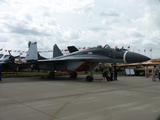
[(152, 62), (84, 60), (139, 68), (7, 59), (11, 62)]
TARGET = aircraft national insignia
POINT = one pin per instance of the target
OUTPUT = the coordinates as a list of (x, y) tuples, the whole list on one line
[(31, 53)]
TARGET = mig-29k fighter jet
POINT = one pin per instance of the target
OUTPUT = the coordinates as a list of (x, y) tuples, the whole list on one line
[(84, 60)]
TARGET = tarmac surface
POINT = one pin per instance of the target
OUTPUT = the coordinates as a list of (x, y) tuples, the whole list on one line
[(31, 98)]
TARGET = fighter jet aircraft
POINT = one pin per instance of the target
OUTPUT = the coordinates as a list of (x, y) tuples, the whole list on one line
[(84, 60)]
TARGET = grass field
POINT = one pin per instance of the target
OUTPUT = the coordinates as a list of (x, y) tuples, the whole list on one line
[(23, 74), (36, 73)]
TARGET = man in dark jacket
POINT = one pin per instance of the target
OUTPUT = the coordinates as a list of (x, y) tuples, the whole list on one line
[(1, 68), (111, 72), (115, 71), (105, 74)]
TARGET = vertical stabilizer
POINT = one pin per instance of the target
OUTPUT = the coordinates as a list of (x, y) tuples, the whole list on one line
[(32, 54), (56, 51)]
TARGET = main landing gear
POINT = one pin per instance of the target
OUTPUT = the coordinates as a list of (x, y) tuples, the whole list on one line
[(73, 74), (90, 78), (51, 75)]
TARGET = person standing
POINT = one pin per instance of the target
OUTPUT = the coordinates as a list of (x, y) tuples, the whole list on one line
[(1, 68), (115, 72), (105, 74), (159, 73), (111, 72), (146, 71), (154, 71)]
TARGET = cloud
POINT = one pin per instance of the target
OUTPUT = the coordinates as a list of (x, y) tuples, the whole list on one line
[(109, 12), (23, 27), (115, 17), (27, 25), (67, 6), (110, 21), (148, 42), (29, 17), (136, 34), (150, 18), (97, 28), (4, 38), (71, 34), (133, 32), (154, 35), (79, 22), (24, 31)]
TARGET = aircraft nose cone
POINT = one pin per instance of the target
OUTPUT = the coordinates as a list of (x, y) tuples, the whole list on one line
[(131, 57)]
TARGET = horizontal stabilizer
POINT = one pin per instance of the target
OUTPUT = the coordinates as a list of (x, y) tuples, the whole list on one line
[(56, 51), (72, 49)]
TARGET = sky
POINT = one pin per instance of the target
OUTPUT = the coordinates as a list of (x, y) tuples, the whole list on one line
[(82, 23)]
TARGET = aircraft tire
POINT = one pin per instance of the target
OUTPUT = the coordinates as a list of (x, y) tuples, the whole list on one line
[(89, 79), (73, 74), (51, 75), (16, 69)]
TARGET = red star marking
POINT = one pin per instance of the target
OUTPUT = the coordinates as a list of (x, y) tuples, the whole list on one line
[(31, 53)]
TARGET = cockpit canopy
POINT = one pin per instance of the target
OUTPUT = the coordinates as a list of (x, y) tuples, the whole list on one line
[(1, 55), (116, 48), (99, 46), (107, 47)]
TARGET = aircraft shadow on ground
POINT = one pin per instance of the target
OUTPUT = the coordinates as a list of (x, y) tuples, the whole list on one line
[(38, 79)]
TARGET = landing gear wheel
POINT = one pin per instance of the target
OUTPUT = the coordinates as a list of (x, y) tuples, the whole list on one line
[(51, 75), (89, 79), (16, 69), (73, 74)]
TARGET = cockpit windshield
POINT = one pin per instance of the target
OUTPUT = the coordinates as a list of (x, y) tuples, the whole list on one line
[(6, 56), (107, 47), (1, 55)]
